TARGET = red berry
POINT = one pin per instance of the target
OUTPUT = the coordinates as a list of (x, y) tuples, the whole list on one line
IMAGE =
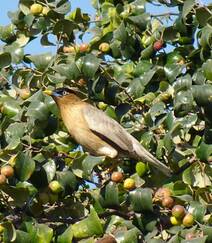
[(158, 45), (168, 202), (178, 211)]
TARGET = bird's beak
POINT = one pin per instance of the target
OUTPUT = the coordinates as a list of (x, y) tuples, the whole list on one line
[(48, 92)]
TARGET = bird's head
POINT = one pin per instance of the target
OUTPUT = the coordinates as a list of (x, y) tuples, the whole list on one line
[(63, 94)]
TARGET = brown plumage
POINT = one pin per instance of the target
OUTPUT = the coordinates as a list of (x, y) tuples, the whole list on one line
[(98, 133)]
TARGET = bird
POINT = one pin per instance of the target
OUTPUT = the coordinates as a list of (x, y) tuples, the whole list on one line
[(96, 132)]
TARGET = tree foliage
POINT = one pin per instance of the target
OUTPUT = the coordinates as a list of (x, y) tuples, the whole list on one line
[(152, 73)]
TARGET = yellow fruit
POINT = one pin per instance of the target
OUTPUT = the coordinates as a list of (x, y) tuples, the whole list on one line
[(7, 171), (36, 9), (129, 184), (102, 106), (175, 221), (55, 186), (24, 93), (45, 10), (188, 220), (104, 47)]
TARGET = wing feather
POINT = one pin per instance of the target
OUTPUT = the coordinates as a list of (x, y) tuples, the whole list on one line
[(100, 123)]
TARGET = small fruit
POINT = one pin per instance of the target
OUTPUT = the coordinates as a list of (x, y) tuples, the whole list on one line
[(69, 49), (162, 193), (129, 184), (45, 10), (24, 93), (168, 202), (178, 211), (36, 9), (55, 186), (188, 220), (7, 171), (84, 47), (141, 168), (2, 179), (81, 82), (102, 105), (175, 221), (158, 45), (104, 47), (117, 176)]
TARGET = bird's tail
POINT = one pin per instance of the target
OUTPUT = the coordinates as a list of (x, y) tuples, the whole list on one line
[(144, 155)]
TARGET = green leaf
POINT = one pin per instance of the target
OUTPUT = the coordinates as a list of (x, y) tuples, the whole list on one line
[(183, 103), (128, 236), (70, 71), (5, 59), (172, 70), (198, 210), (90, 226), (140, 20), (207, 231), (90, 65), (120, 33), (38, 110), (202, 15), (111, 195), (41, 61), (9, 234), (202, 94), (187, 8), (14, 131), (204, 151), (18, 195), (89, 163), (39, 233), (141, 199), (66, 236), (64, 26), (24, 166), (67, 179), (21, 237), (16, 52), (50, 168)]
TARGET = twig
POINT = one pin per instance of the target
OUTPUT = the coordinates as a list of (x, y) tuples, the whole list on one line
[(164, 14)]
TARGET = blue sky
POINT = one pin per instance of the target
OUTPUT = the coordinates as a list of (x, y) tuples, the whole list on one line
[(85, 5)]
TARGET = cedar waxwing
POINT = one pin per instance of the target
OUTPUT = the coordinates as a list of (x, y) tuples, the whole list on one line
[(96, 132)]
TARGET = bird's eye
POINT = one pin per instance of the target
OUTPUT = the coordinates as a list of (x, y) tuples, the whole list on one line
[(65, 92)]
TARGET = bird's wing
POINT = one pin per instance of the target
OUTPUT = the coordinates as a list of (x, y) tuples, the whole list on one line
[(107, 128)]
